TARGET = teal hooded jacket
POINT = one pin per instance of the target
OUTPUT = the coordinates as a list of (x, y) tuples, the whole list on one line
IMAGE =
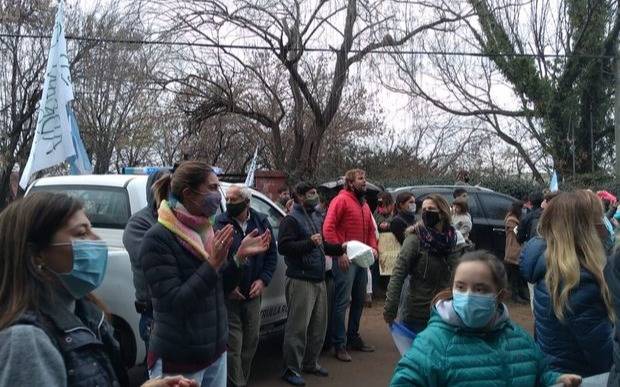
[(447, 353)]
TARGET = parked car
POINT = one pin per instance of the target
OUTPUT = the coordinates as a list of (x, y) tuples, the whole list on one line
[(109, 201), (487, 208)]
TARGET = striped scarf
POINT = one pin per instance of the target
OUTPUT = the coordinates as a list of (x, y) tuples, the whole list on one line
[(195, 233)]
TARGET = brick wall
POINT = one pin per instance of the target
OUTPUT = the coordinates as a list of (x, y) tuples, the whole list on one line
[(268, 182)]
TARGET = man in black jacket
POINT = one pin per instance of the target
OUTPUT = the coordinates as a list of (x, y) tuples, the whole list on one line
[(136, 227), (244, 302), (302, 245), (528, 227)]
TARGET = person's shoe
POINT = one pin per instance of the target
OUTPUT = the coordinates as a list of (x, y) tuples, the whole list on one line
[(358, 344), (342, 355), (318, 371), (293, 378)]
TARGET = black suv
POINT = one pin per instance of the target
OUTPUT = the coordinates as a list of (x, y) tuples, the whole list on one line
[(487, 208)]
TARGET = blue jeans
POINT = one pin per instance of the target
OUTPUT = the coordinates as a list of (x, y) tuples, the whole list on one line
[(145, 326), (212, 376), (350, 288)]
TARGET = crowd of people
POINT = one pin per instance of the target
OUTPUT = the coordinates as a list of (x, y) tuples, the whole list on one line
[(199, 280)]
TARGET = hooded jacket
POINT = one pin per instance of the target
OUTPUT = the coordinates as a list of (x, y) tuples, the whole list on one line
[(348, 219), (136, 228), (582, 343), (447, 353)]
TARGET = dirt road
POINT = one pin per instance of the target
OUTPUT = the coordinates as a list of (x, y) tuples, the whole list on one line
[(367, 369)]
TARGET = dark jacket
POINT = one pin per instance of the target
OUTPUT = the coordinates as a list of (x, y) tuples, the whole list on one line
[(528, 226), (304, 260), (259, 266), (612, 277), (85, 341), (429, 275), (399, 224), (582, 343), (190, 320), (137, 226)]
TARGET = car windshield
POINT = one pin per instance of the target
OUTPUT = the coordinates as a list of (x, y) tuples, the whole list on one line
[(106, 207)]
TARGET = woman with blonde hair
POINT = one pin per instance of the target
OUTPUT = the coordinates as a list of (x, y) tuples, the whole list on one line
[(572, 304), (427, 255)]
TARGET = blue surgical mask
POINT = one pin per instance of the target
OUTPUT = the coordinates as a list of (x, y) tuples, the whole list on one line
[(90, 260), (475, 310)]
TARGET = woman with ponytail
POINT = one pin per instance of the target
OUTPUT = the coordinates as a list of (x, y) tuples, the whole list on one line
[(183, 261), (572, 304)]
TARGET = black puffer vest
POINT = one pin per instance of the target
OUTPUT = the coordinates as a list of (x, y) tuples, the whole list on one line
[(311, 266), (86, 342)]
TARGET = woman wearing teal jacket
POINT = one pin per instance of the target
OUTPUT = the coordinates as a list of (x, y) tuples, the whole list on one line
[(470, 340)]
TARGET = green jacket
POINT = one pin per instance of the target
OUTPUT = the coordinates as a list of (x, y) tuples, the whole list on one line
[(429, 275), (448, 354)]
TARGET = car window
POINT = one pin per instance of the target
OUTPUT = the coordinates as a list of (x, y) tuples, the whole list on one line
[(474, 208), (495, 206), (273, 215), (106, 207)]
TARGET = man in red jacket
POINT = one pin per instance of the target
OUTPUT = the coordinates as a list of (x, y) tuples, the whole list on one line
[(349, 219)]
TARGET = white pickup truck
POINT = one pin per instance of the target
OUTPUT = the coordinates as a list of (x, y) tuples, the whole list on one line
[(109, 201)]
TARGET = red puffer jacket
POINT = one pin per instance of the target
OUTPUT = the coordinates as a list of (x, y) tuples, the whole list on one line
[(348, 220)]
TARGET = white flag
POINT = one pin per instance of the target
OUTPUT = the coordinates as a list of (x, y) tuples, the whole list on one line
[(52, 142), (249, 180)]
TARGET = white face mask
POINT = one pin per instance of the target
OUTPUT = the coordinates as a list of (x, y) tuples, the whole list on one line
[(412, 208)]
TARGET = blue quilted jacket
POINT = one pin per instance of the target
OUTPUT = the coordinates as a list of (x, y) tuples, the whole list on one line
[(582, 344), (448, 354)]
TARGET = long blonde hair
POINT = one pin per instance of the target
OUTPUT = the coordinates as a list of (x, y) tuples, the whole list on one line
[(568, 227)]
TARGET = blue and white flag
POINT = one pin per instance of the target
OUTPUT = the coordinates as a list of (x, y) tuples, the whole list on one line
[(79, 164), (54, 140), (249, 180), (553, 185)]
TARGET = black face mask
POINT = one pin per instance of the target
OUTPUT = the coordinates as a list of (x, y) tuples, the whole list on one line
[(430, 218), (235, 209)]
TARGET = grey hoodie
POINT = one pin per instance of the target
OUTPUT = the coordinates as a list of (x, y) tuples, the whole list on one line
[(136, 228)]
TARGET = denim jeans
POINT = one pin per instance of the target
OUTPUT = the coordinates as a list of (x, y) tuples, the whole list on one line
[(350, 288), (212, 376)]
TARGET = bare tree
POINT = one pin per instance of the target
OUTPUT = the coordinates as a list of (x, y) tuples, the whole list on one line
[(116, 101), (536, 104), (287, 29)]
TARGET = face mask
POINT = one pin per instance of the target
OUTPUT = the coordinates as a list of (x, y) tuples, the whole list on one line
[(210, 203), (235, 209), (475, 310), (430, 218), (412, 208), (311, 201), (90, 260)]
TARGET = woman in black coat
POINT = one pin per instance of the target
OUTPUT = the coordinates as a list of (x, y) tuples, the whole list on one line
[(405, 215), (183, 261)]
